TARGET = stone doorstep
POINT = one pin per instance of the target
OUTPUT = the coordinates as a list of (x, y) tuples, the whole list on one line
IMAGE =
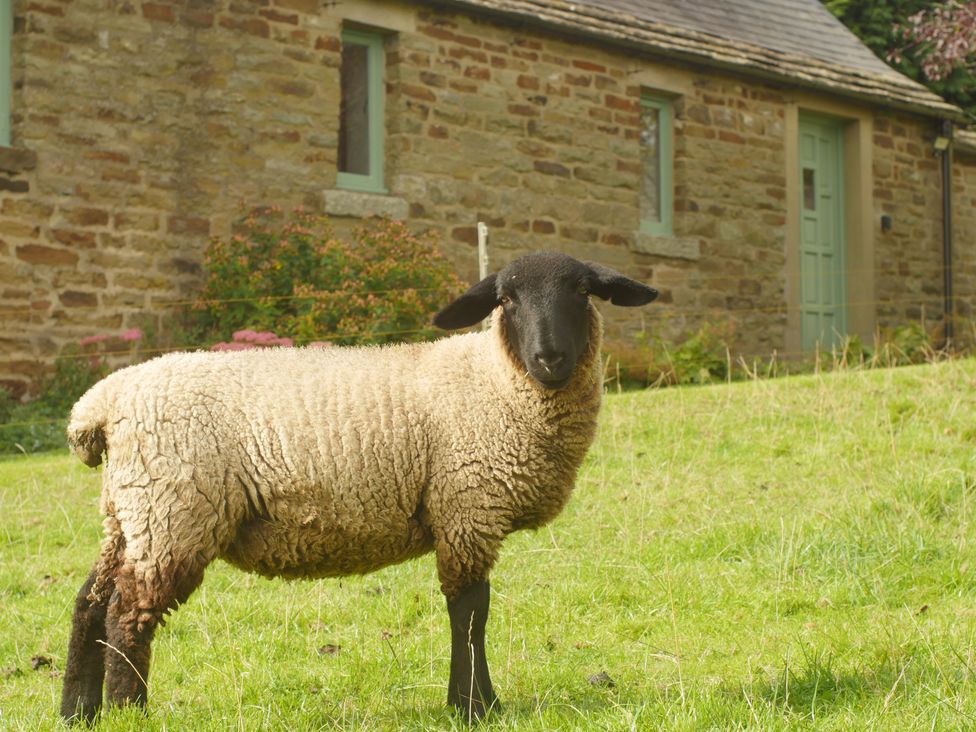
[(672, 247), (339, 202), (17, 160)]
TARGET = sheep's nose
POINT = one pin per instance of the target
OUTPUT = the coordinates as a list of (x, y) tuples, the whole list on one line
[(549, 360)]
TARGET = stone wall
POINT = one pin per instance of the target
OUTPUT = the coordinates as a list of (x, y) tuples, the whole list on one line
[(964, 243), (908, 187), (148, 123)]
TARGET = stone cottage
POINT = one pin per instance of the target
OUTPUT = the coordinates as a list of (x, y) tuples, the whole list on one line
[(749, 158)]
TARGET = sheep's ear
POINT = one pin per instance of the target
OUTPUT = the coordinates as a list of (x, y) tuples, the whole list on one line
[(610, 285), (472, 307)]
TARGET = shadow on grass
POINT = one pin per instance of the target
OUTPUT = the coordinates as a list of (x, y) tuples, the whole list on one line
[(812, 686)]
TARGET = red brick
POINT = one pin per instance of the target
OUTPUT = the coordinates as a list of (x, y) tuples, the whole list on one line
[(86, 217), (525, 81), (445, 35), (466, 234), (39, 254), (727, 136), (417, 92), (328, 43), (46, 9), (589, 66), (197, 19), (75, 299), (477, 72), (83, 239), (310, 7), (14, 186), (541, 226), (188, 225), (155, 11), (523, 110), (275, 16), (550, 168), (622, 103)]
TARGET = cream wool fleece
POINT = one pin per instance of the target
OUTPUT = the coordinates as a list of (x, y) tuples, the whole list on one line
[(326, 462)]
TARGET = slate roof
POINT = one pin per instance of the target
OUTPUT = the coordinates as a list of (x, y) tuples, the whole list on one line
[(797, 42), (801, 27)]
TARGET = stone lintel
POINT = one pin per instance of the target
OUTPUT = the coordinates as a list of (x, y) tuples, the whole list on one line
[(355, 204), (672, 247)]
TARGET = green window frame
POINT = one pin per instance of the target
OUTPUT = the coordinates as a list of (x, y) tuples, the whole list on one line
[(6, 33), (372, 179), (657, 221)]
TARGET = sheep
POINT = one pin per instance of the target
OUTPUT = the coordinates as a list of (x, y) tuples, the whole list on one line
[(329, 462)]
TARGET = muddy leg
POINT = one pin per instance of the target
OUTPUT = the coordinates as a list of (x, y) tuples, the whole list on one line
[(134, 612), (81, 695)]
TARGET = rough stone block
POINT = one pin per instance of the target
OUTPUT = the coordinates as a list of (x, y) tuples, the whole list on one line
[(338, 202), (672, 247)]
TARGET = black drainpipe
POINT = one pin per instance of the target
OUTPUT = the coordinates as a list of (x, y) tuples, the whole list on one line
[(945, 133)]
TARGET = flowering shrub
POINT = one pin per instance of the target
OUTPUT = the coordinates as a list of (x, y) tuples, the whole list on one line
[(289, 273)]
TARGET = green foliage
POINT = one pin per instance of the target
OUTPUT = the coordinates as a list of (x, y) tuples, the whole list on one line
[(708, 354), (876, 23), (291, 275), (701, 358)]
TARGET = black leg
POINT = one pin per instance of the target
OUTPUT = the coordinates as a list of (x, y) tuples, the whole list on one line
[(81, 694), (469, 688), (127, 653)]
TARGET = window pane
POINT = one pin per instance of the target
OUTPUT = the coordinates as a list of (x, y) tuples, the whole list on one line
[(650, 157), (809, 190), (354, 110)]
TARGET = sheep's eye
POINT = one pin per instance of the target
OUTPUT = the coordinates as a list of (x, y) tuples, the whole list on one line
[(505, 299), (581, 289)]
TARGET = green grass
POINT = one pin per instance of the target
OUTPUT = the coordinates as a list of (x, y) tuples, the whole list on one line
[(786, 554)]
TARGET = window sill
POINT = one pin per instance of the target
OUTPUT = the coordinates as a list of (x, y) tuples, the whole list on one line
[(355, 204), (17, 159), (670, 247)]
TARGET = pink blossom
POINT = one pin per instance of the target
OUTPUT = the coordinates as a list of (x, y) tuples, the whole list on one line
[(231, 347), (244, 335), (133, 334), (287, 342), (265, 336), (88, 340)]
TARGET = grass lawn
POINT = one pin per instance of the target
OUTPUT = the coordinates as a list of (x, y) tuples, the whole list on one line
[(785, 554)]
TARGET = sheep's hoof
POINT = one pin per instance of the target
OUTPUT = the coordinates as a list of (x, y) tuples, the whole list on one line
[(473, 710), (84, 714)]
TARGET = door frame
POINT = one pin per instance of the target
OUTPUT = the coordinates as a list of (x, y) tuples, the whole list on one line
[(857, 126), (833, 130)]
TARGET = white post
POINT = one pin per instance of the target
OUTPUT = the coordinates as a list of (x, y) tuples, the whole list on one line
[(483, 258)]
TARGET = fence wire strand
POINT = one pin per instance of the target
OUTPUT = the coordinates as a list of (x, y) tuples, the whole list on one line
[(663, 311)]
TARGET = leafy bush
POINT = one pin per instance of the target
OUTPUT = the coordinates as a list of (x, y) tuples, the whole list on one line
[(701, 358), (39, 425), (291, 274)]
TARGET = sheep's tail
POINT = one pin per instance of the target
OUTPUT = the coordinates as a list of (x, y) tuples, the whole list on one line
[(86, 426)]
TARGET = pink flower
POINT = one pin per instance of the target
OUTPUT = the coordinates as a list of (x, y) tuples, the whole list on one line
[(133, 334), (245, 335), (88, 340), (287, 342), (265, 337), (231, 347)]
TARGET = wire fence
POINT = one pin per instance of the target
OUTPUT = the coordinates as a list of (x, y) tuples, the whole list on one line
[(659, 312)]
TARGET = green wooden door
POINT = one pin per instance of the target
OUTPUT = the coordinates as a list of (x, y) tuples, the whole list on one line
[(823, 285)]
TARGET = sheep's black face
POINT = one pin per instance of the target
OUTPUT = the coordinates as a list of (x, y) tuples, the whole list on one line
[(545, 301)]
